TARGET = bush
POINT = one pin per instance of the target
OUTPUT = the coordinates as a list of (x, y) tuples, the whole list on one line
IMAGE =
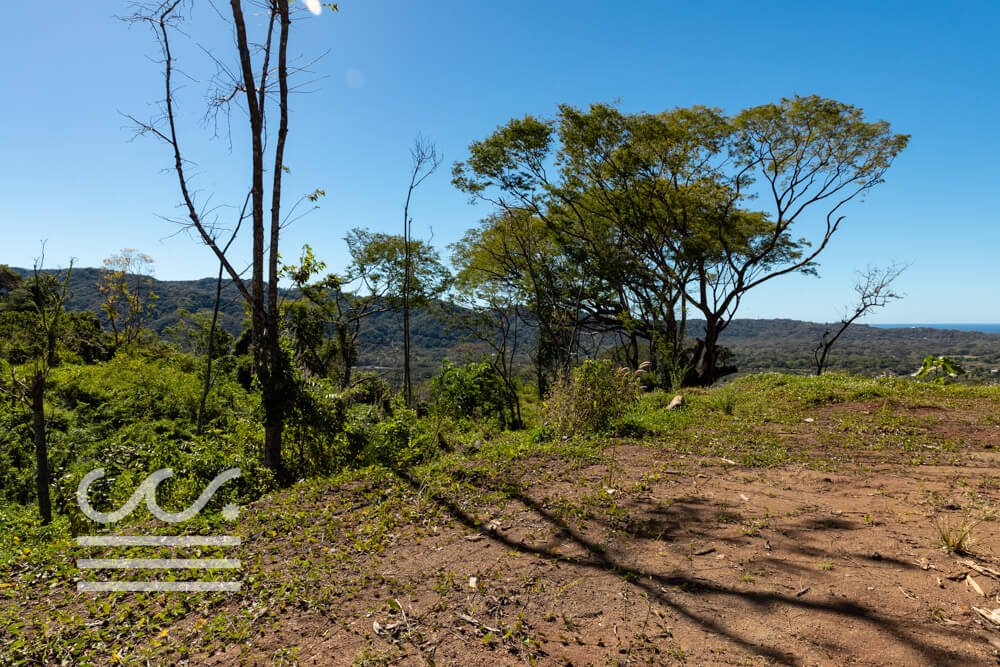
[(369, 389), (314, 428), (474, 390), (595, 396), (397, 441)]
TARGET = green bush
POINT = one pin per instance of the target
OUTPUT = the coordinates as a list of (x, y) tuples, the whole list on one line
[(369, 389), (474, 390), (314, 429), (397, 441), (592, 399)]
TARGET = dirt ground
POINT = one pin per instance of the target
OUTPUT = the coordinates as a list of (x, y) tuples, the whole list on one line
[(667, 558)]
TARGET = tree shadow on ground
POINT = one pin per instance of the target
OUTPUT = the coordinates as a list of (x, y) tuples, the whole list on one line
[(658, 586)]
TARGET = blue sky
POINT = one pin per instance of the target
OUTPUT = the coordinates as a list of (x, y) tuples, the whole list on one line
[(454, 70)]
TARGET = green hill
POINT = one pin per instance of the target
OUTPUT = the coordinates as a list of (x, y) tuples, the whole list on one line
[(757, 344)]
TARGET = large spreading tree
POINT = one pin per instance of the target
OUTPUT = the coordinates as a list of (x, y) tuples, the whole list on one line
[(687, 209)]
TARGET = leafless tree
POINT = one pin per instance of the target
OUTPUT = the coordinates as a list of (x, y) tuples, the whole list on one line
[(261, 89), (424, 161), (874, 290)]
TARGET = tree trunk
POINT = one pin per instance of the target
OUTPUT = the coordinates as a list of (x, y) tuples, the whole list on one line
[(633, 350), (345, 346), (821, 362), (210, 349), (540, 379), (708, 370), (41, 447), (407, 386), (706, 364), (273, 391)]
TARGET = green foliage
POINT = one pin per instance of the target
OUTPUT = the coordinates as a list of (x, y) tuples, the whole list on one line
[(192, 331), (378, 266), (939, 369), (131, 416), (129, 299), (398, 440), (592, 399), (369, 389), (474, 390), (314, 433), (725, 399), (659, 212)]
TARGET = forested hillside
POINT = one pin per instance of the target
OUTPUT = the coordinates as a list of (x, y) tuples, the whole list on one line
[(756, 344)]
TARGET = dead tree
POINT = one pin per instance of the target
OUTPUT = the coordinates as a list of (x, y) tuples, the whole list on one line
[(874, 289), (264, 91), (425, 161)]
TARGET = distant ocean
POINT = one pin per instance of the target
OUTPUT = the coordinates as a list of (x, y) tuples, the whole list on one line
[(984, 328)]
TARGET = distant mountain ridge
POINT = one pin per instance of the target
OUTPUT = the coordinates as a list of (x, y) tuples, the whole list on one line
[(757, 344)]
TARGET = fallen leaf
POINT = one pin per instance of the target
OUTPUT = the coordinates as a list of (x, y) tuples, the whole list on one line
[(974, 585), (991, 615), (981, 569)]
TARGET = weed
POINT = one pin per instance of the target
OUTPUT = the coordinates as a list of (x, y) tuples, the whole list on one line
[(954, 538), (725, 399)]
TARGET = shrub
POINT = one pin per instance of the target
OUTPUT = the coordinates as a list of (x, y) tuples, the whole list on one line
[(397, 441), (369, 389), (594, 396), (474, 390), (938, 369)]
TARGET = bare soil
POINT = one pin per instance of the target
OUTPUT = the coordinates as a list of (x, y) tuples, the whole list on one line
[(665, 558)]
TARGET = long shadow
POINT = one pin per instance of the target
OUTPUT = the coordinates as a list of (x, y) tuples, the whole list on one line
[(655, 584)]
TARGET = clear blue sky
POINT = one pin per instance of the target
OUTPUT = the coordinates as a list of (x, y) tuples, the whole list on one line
[(453, 70)]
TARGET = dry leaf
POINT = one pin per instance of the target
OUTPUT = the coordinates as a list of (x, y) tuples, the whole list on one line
[(991, 615), (981, 569), (974, 585)]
